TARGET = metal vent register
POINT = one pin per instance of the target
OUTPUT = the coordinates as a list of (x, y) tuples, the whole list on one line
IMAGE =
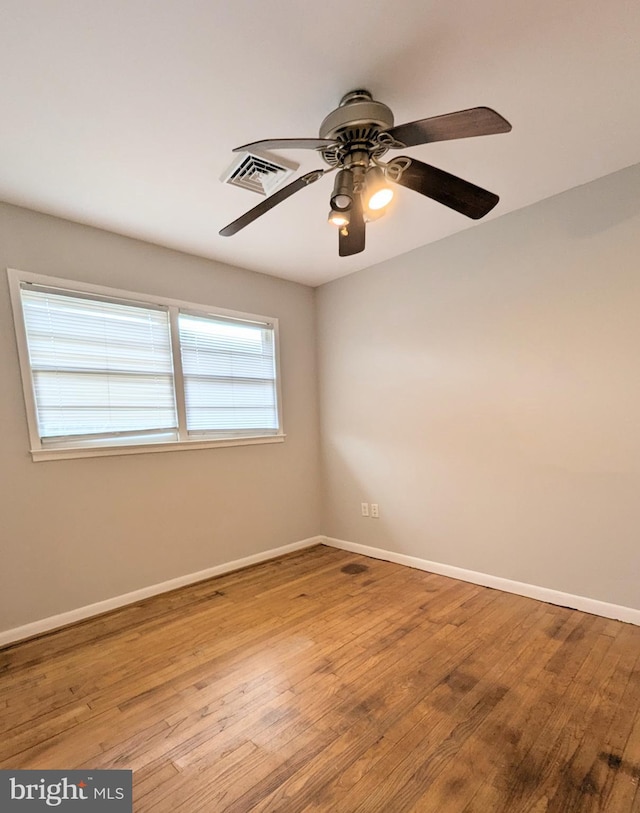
[(257, 173)]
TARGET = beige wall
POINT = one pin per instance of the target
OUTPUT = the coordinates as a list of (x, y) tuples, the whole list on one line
[(485, 391), (74, 532)]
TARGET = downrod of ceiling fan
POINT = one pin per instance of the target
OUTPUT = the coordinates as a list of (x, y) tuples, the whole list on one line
[(357, 158)]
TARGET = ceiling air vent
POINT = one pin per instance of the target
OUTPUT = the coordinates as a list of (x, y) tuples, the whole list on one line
[(257, 173)]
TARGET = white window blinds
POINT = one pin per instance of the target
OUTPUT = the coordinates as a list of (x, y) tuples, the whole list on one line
[(229, 375), (100, 368), (107, 372)]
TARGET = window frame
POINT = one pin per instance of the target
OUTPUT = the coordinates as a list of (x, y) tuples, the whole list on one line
[(112, 447)]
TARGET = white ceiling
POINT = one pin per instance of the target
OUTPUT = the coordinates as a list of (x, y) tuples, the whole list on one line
[(123, 114)]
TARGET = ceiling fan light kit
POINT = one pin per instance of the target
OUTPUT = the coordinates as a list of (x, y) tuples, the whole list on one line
[(338, 218), (353, 138), (343, 189), (378, 192)]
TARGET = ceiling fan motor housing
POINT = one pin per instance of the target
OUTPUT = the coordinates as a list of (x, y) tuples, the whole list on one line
[(358, 110), (355, 123)]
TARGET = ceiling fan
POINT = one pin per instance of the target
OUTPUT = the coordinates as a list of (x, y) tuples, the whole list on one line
[(353, 139)]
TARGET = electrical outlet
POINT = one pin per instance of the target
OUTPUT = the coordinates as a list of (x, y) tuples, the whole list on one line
[(365, 509), (375, 511)]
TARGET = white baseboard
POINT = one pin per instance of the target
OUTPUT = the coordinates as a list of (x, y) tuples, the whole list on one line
[(64, 619), (587, 605)]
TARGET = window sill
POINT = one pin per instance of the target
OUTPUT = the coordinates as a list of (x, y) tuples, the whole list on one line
[(144, 448)]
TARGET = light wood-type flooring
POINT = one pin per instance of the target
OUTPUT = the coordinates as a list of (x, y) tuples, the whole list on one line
[(327, 681)]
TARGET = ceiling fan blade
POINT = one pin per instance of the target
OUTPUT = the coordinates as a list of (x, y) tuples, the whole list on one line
[(465, 123), (270, 202), (352, 238), (288, 144), (451, 191)]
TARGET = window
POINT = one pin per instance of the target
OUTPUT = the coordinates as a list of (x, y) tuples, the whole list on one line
[(109, 372), (229, 375)]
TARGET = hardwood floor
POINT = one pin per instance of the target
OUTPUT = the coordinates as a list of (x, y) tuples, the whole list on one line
[(327, 681)]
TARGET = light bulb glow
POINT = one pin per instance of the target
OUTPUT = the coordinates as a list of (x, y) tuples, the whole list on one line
[(380, 199), (378, 192), (339, 219)]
